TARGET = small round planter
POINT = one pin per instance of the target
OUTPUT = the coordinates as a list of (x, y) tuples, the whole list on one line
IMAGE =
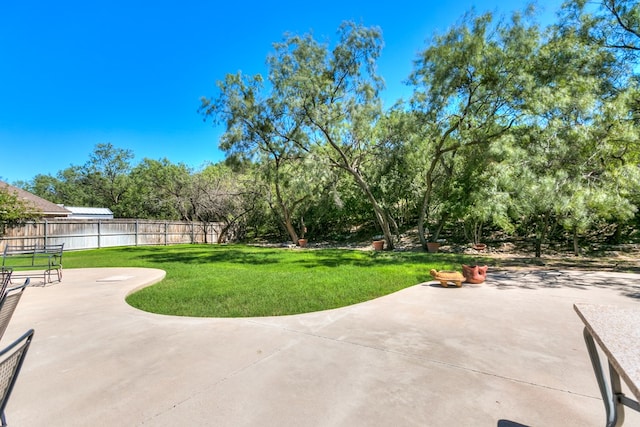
[(302, 243), (479, 246), (474, 274), (378, 245)]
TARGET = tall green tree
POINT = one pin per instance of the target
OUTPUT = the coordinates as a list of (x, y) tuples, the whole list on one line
[(571, 163), (157, 190), (47, 187), (106, 175), (220, 195), (261, 128), (102, 181), (67, 187), (467, 86), (321, 107), (337, 95), (474, 198)]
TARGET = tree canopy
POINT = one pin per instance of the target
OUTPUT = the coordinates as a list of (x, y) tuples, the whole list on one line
[(512, 129)]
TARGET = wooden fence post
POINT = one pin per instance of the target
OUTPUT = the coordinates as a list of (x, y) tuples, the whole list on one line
[(166, 230)]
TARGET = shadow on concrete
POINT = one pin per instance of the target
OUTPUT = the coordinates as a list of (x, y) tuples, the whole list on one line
[(594, 263), (433, 284), (627, 284), (507, 423)]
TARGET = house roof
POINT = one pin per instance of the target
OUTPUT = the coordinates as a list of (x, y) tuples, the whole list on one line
[(45, 207), (81, 210)]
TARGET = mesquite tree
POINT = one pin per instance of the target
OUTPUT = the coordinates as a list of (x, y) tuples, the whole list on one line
[(320, 103), (466, 85), (573, 161), (261, 128), (336, 93)]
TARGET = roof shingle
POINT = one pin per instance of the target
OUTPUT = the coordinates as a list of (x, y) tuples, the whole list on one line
[(45, 207)]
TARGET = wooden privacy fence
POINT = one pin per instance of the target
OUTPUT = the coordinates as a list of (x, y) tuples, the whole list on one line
[(102, 233)]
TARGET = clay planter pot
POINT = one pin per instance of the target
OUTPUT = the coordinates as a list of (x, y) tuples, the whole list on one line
[(474, 274), (302, 243), (479, 246), (378, 245), (433, 247)]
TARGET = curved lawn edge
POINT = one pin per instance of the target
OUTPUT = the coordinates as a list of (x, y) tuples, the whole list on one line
[(248, 281), (251, 281)]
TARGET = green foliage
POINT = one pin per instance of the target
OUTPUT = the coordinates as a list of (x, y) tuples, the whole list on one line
[(320, 109), (511, 127), (574, 144), (13, 210), (107, 176), (158, 191), (468, 84), (614, 24)]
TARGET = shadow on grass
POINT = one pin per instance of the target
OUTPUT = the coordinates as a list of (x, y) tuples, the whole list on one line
[(339, 257), (246, 255), (202, 255), (538, 274)]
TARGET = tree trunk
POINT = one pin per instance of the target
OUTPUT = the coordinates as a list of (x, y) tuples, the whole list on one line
[(538, 245), (541, 232), (441, 223), (224, 231), (421, 229), (616, 237), (380, 214), (477, 232), (286, 215), (205, 230), (288, 224), (393, 224), (576, 243), (422, 217)]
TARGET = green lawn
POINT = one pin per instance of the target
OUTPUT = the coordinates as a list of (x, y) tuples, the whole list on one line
[(242, 281)]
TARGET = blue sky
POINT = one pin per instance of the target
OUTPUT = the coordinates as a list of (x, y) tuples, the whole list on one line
[(74, 74)]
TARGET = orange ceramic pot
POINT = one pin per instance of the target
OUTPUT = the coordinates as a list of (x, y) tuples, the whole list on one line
[(378, 245), (474, 274)]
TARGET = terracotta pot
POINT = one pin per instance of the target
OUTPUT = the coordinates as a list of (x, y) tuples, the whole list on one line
[(479, 246), (378, 245), (474, 274), (302, 242), (433, 247)]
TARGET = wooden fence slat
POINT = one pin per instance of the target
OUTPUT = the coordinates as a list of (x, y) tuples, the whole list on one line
[(94, 233)]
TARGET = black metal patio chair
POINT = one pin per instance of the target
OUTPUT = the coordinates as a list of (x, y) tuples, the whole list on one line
[(11, 359), (5, 279), (8, 303)]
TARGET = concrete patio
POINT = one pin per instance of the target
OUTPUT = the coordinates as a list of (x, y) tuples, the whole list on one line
[(505, 353)]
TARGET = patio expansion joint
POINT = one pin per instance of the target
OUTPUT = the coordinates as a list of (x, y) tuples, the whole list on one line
[(425, 359)]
